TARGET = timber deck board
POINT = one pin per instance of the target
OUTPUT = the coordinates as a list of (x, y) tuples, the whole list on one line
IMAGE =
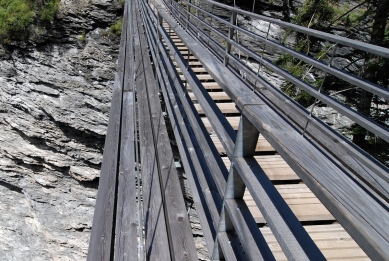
[(180, 238), (332, 239), (262, 146), (156, 235), (103, 220)]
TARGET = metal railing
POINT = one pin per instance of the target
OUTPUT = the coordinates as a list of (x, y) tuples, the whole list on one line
[(318, 156), (308, 124), (374, 127)]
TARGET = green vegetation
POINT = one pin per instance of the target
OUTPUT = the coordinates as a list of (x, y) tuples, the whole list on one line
[(49, 10), (363, 17), (17, 15), (117, 27), (316, 13), (349, 15), (82, 37)]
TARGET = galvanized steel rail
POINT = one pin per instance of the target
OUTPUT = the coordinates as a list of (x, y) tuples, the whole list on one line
[(348, 181)]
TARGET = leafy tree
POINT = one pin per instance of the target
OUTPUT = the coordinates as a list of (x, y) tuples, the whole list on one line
[(376, 71), (370, 16)]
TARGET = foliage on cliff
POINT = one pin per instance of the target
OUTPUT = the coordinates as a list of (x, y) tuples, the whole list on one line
[(17, 15)]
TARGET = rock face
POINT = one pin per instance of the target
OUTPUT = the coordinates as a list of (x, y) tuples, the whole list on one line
[(55, 93)]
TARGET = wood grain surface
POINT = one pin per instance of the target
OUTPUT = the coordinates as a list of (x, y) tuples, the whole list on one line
[(103, 226), (156, 236)]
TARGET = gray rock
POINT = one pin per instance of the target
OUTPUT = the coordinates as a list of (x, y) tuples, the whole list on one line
[(83, 173), (55, 96)]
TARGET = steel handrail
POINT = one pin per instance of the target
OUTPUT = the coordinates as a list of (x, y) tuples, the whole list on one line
[(374, 127), (378, 50), (289, 153)]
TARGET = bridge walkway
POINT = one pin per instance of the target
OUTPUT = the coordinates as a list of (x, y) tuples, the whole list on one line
[(266, 185)]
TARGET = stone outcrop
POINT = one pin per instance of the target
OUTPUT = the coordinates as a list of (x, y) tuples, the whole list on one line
[(55, 93)]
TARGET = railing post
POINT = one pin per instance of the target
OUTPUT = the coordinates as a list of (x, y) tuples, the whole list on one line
[(265, 43), (230, 36), (319, 90), (160, 21), (245, 144), (188, 13)]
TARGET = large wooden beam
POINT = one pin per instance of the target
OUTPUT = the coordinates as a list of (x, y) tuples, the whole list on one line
[(103, 226), (179, 232)]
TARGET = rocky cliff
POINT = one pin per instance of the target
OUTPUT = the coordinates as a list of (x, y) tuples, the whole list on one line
[(55, 93)]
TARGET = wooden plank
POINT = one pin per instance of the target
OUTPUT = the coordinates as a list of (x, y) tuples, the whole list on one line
[(156, 236), (332, 240), (103, 219), (333, 254), (181, 240), (304, 212), (157, 243), (175, 37), (215, 96), (273, 165), (123, 43), (288, 190), (182, 48), (224, 107), (296, 200), (184, 51), (208, 203), (291, 192), (180, 44), (262, 145), (192, 63), (209, 85), (191, 58), (129, 57), (126, 243), (233, 120), (194, 69), (201, 77)]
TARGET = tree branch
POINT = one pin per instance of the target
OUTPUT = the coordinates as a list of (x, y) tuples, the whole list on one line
[(349, 11)]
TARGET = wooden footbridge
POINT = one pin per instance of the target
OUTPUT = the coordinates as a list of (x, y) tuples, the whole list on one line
[(268, 179)]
